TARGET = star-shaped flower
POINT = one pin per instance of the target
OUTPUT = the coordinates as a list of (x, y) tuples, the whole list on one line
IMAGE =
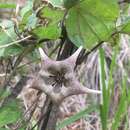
[(57, 78)]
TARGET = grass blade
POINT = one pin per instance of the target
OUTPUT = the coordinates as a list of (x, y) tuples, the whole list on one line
[(122, 107), (76, 116)]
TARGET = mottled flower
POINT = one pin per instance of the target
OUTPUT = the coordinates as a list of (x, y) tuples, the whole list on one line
[(57, 78)]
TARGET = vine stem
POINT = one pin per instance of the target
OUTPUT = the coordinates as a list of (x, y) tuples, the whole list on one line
[(15, 42)]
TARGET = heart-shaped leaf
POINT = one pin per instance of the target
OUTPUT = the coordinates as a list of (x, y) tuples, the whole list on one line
[(91, 21)]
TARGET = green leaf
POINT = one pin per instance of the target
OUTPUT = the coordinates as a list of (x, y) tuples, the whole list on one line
[(56, 3), (27, 7), (32, 20), (107, 87), (10, 113), (6, 36), (122, 108), (77, 116), (52, 29), (4, 93), (51, 14), (104, 105), (125, 27), (9, 6), (50, 32), (24, 22), (91, 21), (63, 3), (29, 18), (70, 3), (13, 50)]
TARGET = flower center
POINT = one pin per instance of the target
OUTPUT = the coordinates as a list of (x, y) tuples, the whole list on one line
[(58, 79)]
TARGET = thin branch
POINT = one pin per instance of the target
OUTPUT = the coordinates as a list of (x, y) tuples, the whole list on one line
[(89, 52), (51, 53), (15, 42)]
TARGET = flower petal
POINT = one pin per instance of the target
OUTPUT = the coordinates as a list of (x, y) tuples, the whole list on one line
[(57, 88)]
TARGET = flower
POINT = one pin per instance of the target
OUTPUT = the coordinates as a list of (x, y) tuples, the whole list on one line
[(57, 79)]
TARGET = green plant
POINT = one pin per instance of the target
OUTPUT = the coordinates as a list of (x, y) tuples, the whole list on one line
[(75, 23)]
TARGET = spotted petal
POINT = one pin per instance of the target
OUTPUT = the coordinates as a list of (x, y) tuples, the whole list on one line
[(57, 88)]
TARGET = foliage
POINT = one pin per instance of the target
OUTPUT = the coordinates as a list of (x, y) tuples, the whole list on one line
[(106, 88), (7, 34), (53, 16), (87, 23), (77, 116), (10, 113)]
